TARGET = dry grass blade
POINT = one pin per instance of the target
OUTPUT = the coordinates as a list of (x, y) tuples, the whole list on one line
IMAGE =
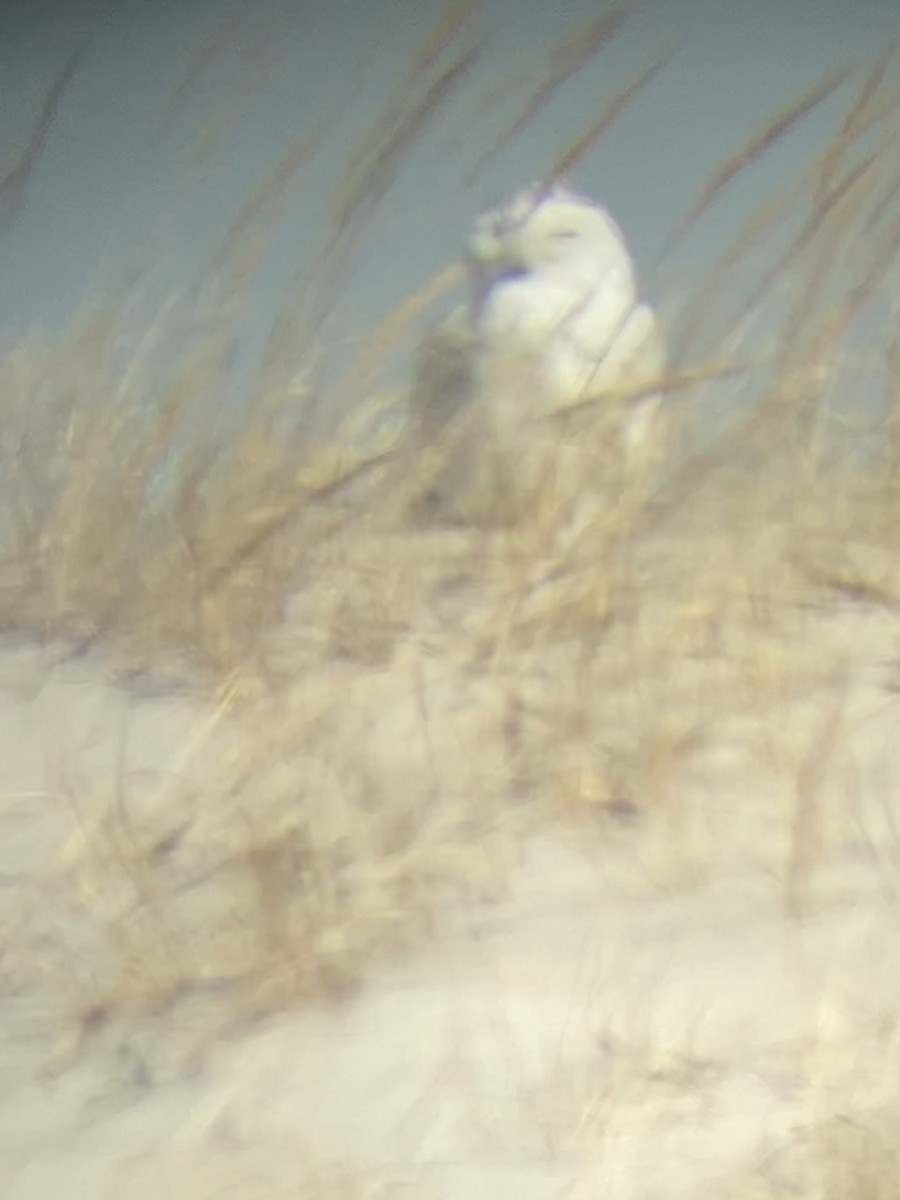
[(617, 108), (201, 62), (563, 63), (671, 384), (263, 525), (15, 180), (862, 115), (755, 149), (706, 296), (709, 294), (391, 331), (372, 172), (266, 204), (828, 331), (576, 52), (884, 259), (863, 177), (831, 231), (884, 205), (806, 818), (455, 17)]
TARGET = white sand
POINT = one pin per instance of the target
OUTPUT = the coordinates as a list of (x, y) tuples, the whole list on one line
[(694, 1001)]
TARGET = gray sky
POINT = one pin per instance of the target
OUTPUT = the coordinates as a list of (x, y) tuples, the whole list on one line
[(179, 108)]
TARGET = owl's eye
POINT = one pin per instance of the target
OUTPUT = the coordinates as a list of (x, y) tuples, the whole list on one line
[(565, 235)]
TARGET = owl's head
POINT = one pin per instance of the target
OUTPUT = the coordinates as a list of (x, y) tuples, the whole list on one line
[(550, 231)]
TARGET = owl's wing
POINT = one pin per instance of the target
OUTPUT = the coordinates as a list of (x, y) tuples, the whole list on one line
[(611, 345), (452, 464), (444, 377), (638, 353)]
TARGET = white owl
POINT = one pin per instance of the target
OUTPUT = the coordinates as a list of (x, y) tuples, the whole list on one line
[(554, 319)]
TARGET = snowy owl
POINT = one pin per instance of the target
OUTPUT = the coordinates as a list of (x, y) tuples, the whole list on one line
[(553, 320)]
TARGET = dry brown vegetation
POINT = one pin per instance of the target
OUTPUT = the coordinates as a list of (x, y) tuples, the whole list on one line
[(395, 703)]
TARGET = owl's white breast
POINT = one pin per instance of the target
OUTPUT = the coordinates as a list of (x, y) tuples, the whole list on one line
[(572, 334)]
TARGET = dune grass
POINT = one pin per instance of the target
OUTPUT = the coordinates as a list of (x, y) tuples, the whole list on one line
[(406, 700)]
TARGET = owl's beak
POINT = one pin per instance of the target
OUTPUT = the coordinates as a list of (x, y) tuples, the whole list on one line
[(487, 274), (496, 258)]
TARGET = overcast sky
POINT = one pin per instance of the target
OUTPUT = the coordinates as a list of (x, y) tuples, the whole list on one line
[(176, 110)]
